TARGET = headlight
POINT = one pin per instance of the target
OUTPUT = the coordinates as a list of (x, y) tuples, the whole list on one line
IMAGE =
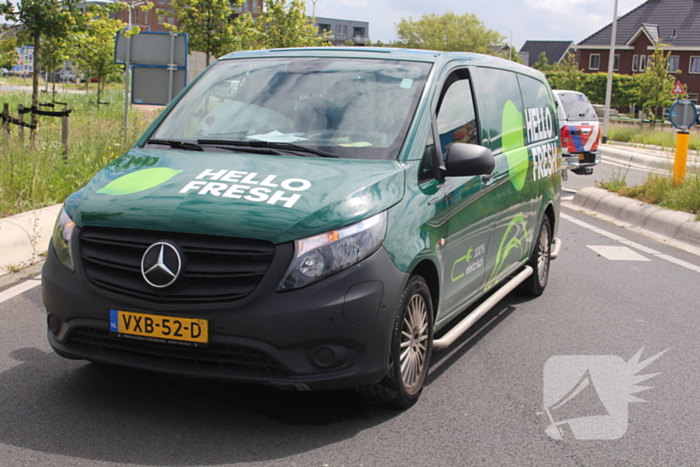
[(320, 256), (62, 234)]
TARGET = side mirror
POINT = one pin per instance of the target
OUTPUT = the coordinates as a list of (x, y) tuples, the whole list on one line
[(465, 159)]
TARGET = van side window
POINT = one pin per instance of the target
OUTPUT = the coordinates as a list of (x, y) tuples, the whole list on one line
[(539, 110), (456, 116), (535, 93), (504, 107)]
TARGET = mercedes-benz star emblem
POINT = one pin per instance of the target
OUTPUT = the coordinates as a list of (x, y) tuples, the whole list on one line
[(160, 265)]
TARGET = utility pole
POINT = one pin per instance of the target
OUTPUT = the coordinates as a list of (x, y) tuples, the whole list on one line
[(608, 87), (313, 11)]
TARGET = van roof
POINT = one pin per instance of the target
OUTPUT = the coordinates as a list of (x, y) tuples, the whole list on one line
[(431, 56)]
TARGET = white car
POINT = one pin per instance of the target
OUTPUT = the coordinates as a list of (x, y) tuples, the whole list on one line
[(579, 130)]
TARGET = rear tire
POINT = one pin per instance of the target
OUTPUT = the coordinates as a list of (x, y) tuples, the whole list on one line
[(411, 347), (539, 261)]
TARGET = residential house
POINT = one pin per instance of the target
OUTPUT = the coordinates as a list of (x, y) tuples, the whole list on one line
[(342, 30), (554, 50), (671, 24)]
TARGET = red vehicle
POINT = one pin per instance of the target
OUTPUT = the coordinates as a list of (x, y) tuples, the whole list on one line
[(579, 130)]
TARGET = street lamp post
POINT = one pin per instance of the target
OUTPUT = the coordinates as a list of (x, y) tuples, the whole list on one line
[(608, 87)]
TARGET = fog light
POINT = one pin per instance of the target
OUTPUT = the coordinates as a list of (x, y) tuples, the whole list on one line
[(53, 323)]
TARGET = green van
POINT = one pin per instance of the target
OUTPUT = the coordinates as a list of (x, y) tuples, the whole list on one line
[(313, 219)]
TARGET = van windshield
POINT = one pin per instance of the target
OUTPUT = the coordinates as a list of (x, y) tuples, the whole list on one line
[(354, 108), (577, 107)]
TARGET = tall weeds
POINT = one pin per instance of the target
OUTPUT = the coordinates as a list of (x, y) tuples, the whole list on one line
[(36, 174)]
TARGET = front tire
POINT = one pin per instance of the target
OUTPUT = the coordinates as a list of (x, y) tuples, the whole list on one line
[(411, 348)]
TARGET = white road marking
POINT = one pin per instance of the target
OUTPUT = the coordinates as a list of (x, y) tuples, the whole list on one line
[(617, 253), (631, 244), (680, 262), (18, 289), (641, 168)]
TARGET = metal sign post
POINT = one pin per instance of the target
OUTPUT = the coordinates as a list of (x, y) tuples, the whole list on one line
[(157, 63), (683, 115)]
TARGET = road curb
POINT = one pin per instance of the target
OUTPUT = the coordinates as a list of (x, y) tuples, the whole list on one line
[(25, 236), (642, 157), (674, 227)]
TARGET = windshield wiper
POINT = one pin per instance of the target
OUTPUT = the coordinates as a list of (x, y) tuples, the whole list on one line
[(176, 144), (270, 145)]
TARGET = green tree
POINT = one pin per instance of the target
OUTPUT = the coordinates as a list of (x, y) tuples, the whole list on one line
[(511, 55), (542, 62), (569, 76), (448, 32), (286, 25), (46, 20), (94, 51), (210, 24), (655, 84), (8, 54)]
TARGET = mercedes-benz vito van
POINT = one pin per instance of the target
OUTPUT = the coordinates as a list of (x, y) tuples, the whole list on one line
[(311, 219)]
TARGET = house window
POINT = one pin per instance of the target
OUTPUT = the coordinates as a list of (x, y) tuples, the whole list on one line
[(323, 28), (616, 62), (694, 65), (162, 2), (594, 62), (635, 62), (674, 62), (145, 16), (255, 6), (342, 30), (642, 62), (693, 97), (160, 20), (359, 32)]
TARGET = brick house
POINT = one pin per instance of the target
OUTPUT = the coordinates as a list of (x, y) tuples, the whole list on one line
[(675, 24)]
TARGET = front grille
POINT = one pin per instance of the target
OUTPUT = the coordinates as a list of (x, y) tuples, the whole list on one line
[(217, 356), (215, 269)]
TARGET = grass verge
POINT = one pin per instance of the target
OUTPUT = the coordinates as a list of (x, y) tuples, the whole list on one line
[(35, 174), (660, 190), (659, 135)]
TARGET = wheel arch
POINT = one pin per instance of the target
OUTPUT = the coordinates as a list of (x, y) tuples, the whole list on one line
[(429, 272)]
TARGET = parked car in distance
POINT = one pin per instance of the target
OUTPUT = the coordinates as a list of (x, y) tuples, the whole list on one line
[(311, 219), (579, 131), (4, 72), (61, 76)]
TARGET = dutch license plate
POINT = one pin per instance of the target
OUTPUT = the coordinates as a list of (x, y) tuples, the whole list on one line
[(159, 327)]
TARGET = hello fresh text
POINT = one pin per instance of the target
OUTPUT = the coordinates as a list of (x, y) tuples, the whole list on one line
[(251, 186)]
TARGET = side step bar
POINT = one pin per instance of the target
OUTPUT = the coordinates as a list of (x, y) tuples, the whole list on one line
[(454, 333), (555, 249)]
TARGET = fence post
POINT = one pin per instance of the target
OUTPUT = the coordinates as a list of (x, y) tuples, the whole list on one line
[(20, 117), (64, 134), (5, 117)]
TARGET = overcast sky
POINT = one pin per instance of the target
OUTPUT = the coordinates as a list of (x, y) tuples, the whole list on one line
[(522, 20)]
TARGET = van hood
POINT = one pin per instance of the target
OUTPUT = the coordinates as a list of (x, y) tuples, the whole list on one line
[(274, 198)]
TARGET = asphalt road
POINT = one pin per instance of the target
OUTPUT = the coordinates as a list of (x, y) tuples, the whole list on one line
[(484, 403)]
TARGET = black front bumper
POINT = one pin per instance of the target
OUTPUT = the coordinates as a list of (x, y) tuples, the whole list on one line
[(331, 335)]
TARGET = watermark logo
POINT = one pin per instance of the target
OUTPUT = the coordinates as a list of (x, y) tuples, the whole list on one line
[(587, 396)]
